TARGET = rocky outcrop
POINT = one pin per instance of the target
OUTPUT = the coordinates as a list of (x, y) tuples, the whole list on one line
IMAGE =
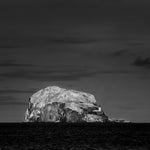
[(118, 120), (55, 104)]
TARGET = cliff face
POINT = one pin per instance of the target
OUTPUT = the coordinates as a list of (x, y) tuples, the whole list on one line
[(55, 104)]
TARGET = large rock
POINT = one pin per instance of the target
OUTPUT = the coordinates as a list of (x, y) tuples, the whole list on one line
[(55, 104)]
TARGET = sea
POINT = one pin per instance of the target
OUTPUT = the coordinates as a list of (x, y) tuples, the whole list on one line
[(74, 136)]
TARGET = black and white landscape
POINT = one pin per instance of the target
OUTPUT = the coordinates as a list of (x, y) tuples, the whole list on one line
[(75, 71), (96, 46)]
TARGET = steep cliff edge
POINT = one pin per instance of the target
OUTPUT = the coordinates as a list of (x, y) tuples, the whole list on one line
[(55, 104)]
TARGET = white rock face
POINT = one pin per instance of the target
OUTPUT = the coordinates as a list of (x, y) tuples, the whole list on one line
[(55, 104)]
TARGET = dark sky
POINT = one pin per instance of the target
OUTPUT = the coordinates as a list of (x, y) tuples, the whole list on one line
[(97, 46)]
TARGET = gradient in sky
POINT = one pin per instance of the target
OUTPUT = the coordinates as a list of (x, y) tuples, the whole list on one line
[(97, 46)]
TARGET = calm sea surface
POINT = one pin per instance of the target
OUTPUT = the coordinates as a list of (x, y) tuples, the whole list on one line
[(78, 136)]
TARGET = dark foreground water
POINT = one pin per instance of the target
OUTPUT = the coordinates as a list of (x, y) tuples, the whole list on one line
[(90, 136)]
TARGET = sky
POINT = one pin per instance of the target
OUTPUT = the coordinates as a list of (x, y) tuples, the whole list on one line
[(97, 46)]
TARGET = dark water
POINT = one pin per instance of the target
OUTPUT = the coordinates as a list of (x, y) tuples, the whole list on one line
[(58, 136)]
